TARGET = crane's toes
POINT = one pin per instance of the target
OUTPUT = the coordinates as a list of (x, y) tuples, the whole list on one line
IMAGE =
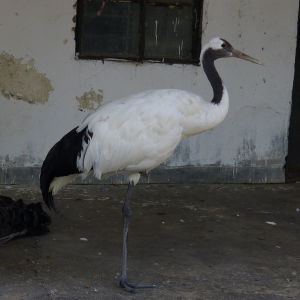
[(131, 287)]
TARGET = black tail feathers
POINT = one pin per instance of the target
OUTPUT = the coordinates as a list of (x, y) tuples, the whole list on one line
[(61, 160), (45, 181), (49, 200)]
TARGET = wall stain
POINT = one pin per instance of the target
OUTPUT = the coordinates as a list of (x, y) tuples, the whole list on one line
[(246, 154), (180, 156), (90, 100), (278, 147), (23, 160), (21, 81)]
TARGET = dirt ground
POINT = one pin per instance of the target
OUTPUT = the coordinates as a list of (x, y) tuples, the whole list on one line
[(199, 241)]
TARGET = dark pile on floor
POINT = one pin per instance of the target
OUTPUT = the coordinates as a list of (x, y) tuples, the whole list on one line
[(19, 219)]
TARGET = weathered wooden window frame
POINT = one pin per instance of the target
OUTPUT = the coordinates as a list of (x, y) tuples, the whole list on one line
[(196, 34)]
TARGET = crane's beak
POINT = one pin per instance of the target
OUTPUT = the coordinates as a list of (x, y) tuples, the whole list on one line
[(241, 55)]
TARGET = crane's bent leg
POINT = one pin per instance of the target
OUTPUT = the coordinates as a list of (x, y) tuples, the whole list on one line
[(127, 213)]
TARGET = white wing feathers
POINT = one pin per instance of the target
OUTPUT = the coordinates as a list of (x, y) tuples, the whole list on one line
[(139, 132)]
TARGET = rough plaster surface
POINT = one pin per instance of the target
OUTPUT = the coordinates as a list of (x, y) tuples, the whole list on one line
[(90, 100), (21, 80), (254, 134)]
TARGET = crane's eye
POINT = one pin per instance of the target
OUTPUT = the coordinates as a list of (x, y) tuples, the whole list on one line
[(223, 45)]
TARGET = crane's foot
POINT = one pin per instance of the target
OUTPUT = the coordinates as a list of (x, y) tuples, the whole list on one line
[(131, 287)]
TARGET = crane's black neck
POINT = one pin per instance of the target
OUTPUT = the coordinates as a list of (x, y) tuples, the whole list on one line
[(215, 80)]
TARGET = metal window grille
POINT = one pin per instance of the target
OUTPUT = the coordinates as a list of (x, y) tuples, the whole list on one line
[(158, 30)]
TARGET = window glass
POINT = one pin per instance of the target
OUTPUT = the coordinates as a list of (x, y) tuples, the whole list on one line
[(110, 29), (168, 32)]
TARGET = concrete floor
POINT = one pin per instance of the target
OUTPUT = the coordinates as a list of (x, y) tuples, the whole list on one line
[(193, 241)]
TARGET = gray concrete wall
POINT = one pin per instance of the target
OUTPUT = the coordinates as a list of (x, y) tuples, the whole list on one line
[(45, 91)]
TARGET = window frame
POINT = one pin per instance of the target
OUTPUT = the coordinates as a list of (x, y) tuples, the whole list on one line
[(197, 12)]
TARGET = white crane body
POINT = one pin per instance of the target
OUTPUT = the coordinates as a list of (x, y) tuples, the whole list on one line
[(138, 133)]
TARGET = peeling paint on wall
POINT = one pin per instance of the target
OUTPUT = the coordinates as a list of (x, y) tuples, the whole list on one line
[(20, 80), (90, 100)]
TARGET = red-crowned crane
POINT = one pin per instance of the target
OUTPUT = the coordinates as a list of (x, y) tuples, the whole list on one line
[(136, 134)]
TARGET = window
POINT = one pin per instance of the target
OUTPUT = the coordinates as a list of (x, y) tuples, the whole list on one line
[(158, 30)]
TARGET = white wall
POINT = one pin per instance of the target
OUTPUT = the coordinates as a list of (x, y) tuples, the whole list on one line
[(255, 132)]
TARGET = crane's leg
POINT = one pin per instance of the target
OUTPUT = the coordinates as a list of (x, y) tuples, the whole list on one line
[(127, 213)]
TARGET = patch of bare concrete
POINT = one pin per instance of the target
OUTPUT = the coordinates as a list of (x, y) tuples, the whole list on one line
[(20, 80), (90, 100)]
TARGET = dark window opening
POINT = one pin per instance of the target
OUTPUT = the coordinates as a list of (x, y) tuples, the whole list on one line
[(292, 167), (158, 30)]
